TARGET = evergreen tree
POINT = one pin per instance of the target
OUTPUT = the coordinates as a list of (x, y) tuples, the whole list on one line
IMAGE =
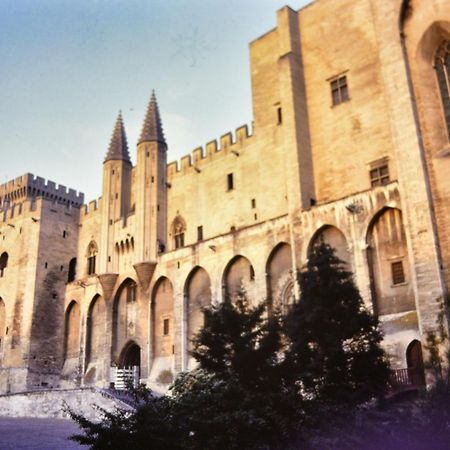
[(334, 340), (238, 397)]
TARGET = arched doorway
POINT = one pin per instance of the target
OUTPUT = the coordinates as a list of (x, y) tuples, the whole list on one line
[(129, 370), (414, 361), (130, 356)]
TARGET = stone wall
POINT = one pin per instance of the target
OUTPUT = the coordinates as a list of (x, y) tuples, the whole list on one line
[(52, 403)]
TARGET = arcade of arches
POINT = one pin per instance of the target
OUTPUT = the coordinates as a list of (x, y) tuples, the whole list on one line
[(386, 246)]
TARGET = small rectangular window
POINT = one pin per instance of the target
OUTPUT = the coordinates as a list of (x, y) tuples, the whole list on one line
[(379, 176), (398, 274), (253, 203), (279, 115), (230, 182), (339, 90), (166, 328), (200, 233)]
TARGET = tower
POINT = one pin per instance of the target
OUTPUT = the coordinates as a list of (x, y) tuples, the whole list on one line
[(116, 192), (151, 188)]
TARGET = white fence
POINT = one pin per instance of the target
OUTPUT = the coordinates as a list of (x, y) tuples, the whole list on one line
[(125, 377)]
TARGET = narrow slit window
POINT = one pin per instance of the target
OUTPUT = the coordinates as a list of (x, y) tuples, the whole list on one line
[(166, 327), (230, 182), (200, 233)]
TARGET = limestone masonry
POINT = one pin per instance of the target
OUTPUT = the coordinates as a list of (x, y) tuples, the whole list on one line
[(349, 145)]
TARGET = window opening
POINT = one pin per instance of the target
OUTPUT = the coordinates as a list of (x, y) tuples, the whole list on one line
[(339, 90), (166, 327), (398, 274), (379, 176), (230, 181)]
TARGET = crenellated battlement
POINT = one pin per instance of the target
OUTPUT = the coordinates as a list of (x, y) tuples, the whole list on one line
[(32, 205), (229, 143), (92, 207), (30, 186)]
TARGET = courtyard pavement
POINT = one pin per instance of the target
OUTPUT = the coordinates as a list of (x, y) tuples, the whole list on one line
[(37, 434)]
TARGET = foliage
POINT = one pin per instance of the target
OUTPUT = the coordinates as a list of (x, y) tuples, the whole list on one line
[(148, 424), (263, 382), (335, 347), (238, 393)]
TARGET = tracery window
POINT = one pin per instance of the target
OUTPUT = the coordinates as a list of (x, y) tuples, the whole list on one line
[(91, 257), (178, 229), (442, 66)]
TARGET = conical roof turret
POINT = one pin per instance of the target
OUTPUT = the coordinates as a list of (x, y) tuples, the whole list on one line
[(118, 147), (152, 129)]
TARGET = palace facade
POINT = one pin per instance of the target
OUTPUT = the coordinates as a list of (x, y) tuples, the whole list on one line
[(349, 144)]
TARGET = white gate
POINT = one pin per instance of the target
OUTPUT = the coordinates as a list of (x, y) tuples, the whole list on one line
[(125, 377)]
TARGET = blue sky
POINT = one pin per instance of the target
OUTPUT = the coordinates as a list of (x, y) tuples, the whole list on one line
[(67, 67)]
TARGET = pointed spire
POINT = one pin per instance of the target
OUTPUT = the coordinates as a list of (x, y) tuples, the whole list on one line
[(118, 147), (152, 129)]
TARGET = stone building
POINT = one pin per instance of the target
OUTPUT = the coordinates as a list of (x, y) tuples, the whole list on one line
[(349, 144)]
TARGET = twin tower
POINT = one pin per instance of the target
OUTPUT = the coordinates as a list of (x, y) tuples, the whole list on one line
[(134, 201)]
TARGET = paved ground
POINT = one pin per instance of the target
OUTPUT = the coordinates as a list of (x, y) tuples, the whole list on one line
[(37, 434)]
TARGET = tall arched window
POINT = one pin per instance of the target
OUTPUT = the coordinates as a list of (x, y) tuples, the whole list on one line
[(178, 229), (3, 263), (91, 257), (442, 66)]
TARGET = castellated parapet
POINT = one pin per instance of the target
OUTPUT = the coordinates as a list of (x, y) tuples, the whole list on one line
[(29, 186), (229, 143)]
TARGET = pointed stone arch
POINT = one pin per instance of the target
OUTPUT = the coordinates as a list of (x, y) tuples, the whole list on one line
[(388, 260), (238, 274), (163, 318), (162, 331), (279, 276), (124, 316), (197, 295), (95, 330), (72, 331), (335, 238)]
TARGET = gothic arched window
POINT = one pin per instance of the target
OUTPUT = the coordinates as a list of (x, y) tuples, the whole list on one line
[(442, 66), (178, 229), (91, 257)]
